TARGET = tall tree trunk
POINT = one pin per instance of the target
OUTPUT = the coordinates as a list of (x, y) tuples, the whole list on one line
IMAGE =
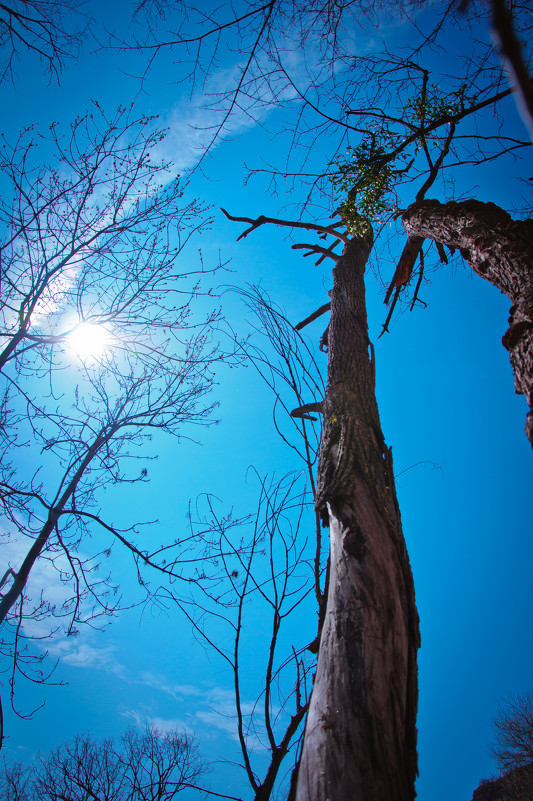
[(499, 249), (360, 737)]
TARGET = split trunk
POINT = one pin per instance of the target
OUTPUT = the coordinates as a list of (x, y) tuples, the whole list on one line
[(499, 249)]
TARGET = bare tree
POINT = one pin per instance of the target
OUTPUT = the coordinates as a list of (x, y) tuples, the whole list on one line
[(50, 29), (148, 765), (254, 572), (513, 751), (15, 781), (50, 514), (287, 364), (90, 242), (514, 733)]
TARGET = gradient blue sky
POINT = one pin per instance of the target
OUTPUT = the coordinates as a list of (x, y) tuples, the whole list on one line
[(448, 409)]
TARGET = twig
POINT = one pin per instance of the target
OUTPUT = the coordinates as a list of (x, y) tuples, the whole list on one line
[(385, 329), (418, 283)]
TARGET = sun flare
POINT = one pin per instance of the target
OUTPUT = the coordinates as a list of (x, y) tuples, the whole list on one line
[(89, 340)]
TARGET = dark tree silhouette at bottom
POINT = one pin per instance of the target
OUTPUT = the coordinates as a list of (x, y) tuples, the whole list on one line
[(143, 765)]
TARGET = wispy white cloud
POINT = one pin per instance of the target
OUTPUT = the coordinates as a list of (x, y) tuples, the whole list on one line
[(85, 655), (159, 682), (210, 710), (216, 720), (213, 707), (163, 724), (193, 123)]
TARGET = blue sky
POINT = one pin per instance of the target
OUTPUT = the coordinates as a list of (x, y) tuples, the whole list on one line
[(448, 409)]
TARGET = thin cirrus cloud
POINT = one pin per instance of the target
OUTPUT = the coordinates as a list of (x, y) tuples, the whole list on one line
[(161, 724), (160, 683), (85, 655), (241, 96), (203, 121), (210, 710)]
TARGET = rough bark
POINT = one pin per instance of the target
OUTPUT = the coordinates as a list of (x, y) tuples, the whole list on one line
[(360, 737), (499, 249)]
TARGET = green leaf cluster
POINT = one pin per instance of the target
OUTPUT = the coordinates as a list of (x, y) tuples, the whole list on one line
[(433, 104), (366, 175)]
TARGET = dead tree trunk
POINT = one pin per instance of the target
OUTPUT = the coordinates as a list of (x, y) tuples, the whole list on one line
[(360, 737), (499, 249)]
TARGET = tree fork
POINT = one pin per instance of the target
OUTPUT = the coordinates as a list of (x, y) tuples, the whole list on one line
[(360, 737), (498, 249)]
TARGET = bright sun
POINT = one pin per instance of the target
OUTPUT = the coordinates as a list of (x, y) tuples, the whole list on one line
[(89, 340)]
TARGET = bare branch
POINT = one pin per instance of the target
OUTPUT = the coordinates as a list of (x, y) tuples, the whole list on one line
[(308, 226), (303, 411), (314, 249), (318, 313)]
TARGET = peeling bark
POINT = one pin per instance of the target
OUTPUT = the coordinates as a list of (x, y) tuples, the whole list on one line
[(360, 737), (499, 249)]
